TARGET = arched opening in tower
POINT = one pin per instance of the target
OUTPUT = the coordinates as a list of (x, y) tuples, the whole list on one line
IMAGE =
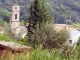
[(15, 16)]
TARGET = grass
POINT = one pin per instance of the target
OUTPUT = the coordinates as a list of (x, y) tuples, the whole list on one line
[(8, 55), (39, 54), (75, 25), (6, 38)]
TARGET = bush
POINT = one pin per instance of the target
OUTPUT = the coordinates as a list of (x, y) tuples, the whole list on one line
[(55, 54), (5, 38), (38, 15), (39, 54), (48, 37)]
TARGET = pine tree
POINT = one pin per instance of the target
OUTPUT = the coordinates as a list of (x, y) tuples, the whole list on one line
[(39, 15)]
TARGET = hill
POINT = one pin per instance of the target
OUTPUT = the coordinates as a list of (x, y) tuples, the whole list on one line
[(61, 10)]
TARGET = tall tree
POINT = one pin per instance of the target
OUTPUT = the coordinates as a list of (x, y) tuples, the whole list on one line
[(39, 15)]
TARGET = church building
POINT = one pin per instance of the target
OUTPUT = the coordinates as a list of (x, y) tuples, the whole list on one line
[(19, 31), (15, 16)]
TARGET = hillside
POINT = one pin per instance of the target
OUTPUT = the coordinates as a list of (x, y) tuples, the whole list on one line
[(61, 10)]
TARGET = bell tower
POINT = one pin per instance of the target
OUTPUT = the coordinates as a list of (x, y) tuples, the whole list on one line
[(15, 16)]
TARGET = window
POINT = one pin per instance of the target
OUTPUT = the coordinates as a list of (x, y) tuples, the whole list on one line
[(15, 16), (70, 41), (15, 7)]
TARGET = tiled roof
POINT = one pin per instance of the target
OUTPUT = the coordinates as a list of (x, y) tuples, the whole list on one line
[(59, 27)]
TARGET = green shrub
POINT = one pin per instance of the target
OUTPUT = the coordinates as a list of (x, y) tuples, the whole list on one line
[(55, 54), (42, 54), (39, 54), (38, 15), (78, 52), (5, 37), (48, 37)]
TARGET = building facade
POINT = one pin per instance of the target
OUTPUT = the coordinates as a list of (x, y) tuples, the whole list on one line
[(15, 16)]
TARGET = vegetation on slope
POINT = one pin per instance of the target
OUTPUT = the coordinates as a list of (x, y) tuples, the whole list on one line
[(39, 54), (62, 10), (45, 36)]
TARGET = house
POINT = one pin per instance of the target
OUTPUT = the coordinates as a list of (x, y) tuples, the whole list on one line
[(74, 33), (59, 27), (20, 32)]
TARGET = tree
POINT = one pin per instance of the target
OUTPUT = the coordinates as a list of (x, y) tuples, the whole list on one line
[(1, 22), (38, 16), (6, 15), (40, 29)]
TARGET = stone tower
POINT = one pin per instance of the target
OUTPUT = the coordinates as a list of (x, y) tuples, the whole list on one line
[(15, 16)]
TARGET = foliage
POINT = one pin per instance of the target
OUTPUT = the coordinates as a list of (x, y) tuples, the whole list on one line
[(78, 52), (55, 54), (77, 25), (49, 38), (8, 55), (7, 5), (6, 26), (9, 38), (60, 9), (5, 38), (39, 54), (1, 22), (69, 22), (6, 15), (40, 28), (38, 16)]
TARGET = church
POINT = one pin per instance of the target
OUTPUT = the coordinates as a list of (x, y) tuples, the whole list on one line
[(19, 31)]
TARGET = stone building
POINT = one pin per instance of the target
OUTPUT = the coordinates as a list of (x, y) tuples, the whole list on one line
[(19, 31), (15, 16)]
